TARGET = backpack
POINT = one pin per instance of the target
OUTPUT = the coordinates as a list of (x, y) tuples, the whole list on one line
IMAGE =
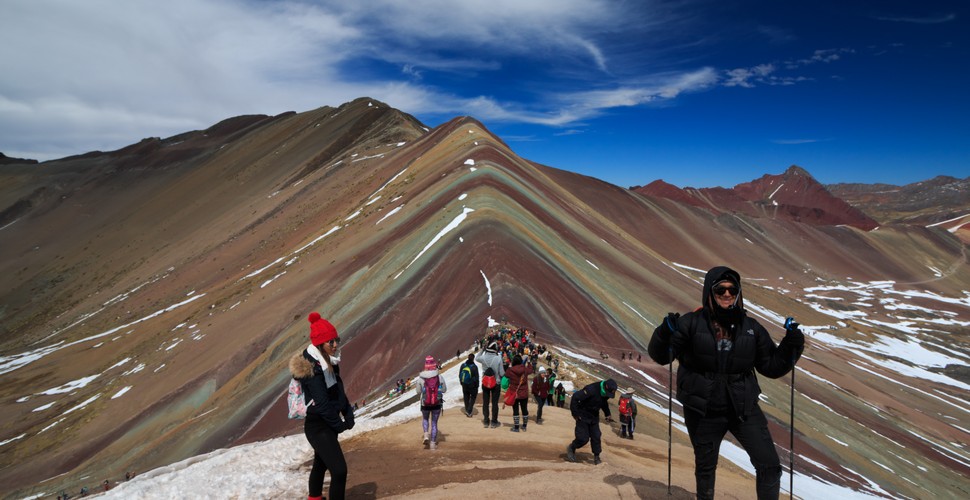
[(431, 394), (625, 408), (295, 402), (488, 379), (465, 375)]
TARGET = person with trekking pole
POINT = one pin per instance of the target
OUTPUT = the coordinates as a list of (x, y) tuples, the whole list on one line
[(719, 348)]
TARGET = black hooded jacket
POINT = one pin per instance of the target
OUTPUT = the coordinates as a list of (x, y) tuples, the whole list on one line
[(703, 383), (587, 403)]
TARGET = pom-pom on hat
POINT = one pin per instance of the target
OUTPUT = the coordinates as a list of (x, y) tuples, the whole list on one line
[(430, 363), (321, 331)]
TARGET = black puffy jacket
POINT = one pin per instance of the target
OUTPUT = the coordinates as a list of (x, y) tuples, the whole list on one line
[(328, 403), (700, 384)]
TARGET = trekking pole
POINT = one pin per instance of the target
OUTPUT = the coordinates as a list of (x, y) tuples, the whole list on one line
[(791, 440), (791, 428), (670, 427)]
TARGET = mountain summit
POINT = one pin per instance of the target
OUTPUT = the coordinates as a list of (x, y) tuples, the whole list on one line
[(794, 195), (151, 296)]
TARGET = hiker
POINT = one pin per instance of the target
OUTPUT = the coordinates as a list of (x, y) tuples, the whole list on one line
[(719, 347), (317, 368), (560, 395), (550, 396), (430, 388), (492, 372), (585, 408), (518, 392), (627, 408), (468, 377), (540, 389)]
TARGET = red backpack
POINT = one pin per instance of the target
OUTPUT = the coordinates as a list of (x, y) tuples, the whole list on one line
[(625, 408), (431, 395), (488, 378)]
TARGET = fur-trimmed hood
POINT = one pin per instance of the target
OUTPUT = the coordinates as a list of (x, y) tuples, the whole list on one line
[(300, 366)]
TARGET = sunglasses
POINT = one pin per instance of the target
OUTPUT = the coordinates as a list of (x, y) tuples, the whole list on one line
[(334, 341), (725, 290)]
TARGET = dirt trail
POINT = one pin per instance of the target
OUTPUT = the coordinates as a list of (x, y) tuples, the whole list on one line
[(494, 463)]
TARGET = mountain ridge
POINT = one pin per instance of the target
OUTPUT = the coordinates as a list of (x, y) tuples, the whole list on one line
[(183, 288)]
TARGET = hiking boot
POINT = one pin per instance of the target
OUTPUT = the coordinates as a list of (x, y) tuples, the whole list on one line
[(495, 424), (524, 428), (570, 453), (596, 460), (427, 438), (434, 445), (623, 435), (486, 423), (631, 436), (515, 429)]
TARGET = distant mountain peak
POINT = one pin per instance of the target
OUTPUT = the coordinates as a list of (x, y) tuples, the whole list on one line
[(793, 195), (796, 171)]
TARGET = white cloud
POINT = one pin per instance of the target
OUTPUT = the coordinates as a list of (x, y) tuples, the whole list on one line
[(742, 77), (100, 74)]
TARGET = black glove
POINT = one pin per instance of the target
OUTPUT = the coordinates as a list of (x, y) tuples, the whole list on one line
[(793, 334), (669, 326), (349, 417)]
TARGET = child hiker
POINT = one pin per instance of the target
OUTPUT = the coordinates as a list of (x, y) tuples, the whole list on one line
[(628, 414)]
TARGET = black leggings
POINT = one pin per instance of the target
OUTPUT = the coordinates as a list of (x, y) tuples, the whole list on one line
[(327, 455), (707, 432), (523, 404)]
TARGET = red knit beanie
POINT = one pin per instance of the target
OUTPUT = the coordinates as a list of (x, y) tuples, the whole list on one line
[(430, 363), (321, 331)]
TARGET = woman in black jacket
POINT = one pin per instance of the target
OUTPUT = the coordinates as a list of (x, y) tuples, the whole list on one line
[(719, 347), (319, 374)]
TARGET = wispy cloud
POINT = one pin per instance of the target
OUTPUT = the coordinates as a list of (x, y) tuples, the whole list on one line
[(819, 56), (154, 69), (944, 18), (794, 141), (572, 131)]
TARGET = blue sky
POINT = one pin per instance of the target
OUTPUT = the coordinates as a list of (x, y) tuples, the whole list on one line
[(698, 93)]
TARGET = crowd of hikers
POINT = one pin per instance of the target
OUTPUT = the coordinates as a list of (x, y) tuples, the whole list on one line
[(719, 349)]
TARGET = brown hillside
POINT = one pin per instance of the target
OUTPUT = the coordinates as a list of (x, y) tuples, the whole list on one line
[(149, 297)]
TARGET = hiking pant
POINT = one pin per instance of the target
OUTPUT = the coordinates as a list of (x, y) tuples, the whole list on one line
[(491, 396), (470, 394), (628, 423), (706, 433), (588, 432), (524, 405), (327, 455), (433, 414), (540, 402)]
